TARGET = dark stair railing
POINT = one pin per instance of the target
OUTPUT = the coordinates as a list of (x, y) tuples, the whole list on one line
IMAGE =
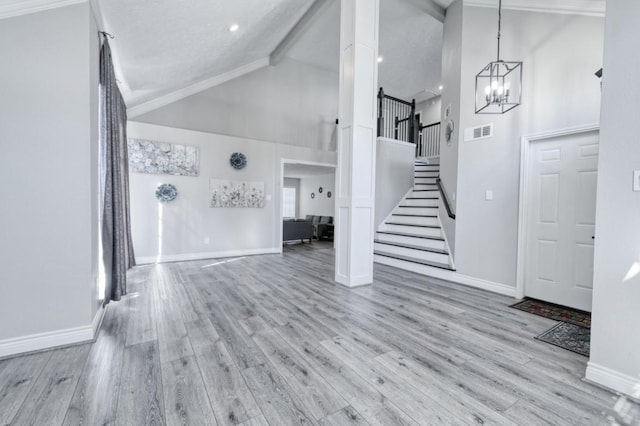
[(397, 120), (429, 140)]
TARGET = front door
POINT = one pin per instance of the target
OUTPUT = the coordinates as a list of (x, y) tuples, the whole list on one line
[(561, 219)]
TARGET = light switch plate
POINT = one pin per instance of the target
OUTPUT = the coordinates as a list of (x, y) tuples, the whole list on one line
[(636, 180), (488, 195), (268, 197)]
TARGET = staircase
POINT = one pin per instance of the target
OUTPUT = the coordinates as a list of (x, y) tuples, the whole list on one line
[(411, 237)]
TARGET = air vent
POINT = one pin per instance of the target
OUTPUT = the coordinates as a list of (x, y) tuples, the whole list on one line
[(476, 133)]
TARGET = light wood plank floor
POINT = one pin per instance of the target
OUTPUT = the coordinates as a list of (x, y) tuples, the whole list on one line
[(271, 340)]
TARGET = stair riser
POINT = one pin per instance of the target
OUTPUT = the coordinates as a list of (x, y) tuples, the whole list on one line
[(420, 242), (414, 267), (413, 230), (428, 180), (416, 254), (421, 203), (426, 174), (419, 220), (427, 211)]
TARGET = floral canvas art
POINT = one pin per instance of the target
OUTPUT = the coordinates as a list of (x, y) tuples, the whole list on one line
[(162, 158), (229, 193)]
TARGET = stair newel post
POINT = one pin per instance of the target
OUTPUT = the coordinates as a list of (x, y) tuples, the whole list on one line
[(412, 123), (380, 116)]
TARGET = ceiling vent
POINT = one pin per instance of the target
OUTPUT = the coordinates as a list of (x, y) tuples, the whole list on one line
[(476, 133)]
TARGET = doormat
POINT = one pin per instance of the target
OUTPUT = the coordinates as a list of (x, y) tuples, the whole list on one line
[(555, 312), (571, 337)]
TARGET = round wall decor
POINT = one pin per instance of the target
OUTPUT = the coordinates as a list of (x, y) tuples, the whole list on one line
[(448, 131), (313, 195), (238, 160), (320, 190), (166, 192)]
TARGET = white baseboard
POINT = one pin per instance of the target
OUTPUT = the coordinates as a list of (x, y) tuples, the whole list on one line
[(491, 286), (145, 260), (52, 339), (612, 379)]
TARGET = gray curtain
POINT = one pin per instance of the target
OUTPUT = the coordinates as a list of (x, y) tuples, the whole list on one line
[(116, 232)]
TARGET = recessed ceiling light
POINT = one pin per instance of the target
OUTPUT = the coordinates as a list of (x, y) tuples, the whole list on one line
[(440, 87), (380, 59), (234, 28)]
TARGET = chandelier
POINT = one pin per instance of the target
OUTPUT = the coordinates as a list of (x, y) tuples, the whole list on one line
[(499, 84)]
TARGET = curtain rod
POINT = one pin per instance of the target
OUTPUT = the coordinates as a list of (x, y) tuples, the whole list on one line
[(106, 34)]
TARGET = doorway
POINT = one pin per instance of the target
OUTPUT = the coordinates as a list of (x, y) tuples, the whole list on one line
[(308, 195), (557, 216)]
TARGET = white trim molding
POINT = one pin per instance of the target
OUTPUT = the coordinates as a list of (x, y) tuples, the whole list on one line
[(566, 7), (11, 8), (525, 142), (177, 95), (612, 379), (491, 286), (146, 260), (52, 339)]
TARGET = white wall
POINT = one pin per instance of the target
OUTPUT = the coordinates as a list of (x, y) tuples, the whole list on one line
[(394, 174), (48, 138), (451, 71), (560, 55), (615, 340), (321, 205), (180, 229), (291, 103), (430, 110)]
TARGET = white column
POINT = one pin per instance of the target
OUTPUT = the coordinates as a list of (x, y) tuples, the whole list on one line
[(355, 180)]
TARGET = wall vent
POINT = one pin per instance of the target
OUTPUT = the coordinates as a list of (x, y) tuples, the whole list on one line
[(476, 133)]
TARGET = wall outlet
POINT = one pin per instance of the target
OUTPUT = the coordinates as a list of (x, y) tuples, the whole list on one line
[(636, 180), (488, 195)]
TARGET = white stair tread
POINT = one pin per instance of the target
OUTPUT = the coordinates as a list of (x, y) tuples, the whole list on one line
[(413, 260), (411, 246), (415, 215), (402, 234), (412, 224)]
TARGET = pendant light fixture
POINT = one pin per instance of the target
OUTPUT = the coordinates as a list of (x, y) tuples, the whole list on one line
[(499, 84)]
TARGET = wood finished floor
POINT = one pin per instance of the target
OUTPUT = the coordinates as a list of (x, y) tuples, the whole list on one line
[(272, 340)]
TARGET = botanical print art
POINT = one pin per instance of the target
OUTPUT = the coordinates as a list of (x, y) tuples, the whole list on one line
[(162, 158), (230, 193)]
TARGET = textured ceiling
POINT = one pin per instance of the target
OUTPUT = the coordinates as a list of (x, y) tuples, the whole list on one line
[(166, 45), (163, 46), (410, 44)]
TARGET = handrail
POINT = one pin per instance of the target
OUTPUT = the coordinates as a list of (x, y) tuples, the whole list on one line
[(402, 101), (426, 126), (447, 205), (396, 118)]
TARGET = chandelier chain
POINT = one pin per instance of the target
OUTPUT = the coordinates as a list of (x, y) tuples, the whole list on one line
[(499, 25)]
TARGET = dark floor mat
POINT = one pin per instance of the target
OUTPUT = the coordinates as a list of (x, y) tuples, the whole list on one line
[(555, 312), (571, 337)]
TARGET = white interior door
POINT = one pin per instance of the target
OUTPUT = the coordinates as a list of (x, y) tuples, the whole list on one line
[(561, 219)]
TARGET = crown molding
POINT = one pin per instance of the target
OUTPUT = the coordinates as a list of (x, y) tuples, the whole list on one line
[(177, 95), (11, 8), (568, 7)]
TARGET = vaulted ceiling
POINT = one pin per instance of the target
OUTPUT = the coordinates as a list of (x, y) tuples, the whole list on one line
[(164, 47)]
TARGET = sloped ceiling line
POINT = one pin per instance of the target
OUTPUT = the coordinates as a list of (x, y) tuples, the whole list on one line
[(11, 8), (303, 24), (177, 95)]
